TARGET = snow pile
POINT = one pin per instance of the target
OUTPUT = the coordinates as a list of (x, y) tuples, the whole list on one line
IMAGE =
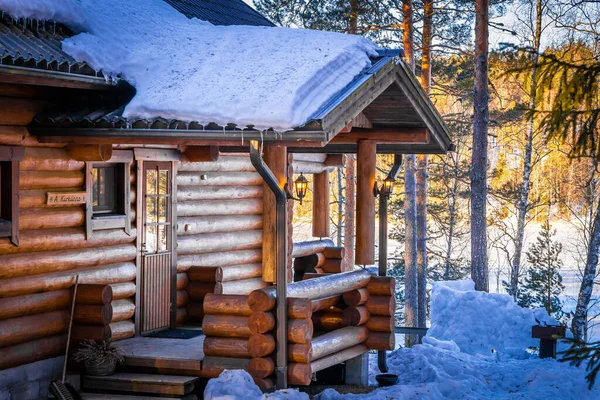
[(194, 71), (66, 11), (437, 370), (238, 385), (480, 322)]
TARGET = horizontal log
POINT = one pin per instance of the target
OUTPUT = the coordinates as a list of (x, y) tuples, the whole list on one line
[(205, 274), (326, 303), (94, 294), (19, 111), (195, 312), (338, 357), (51, 218), (196, 193), (19, 136), (299, 374), (382, 286), (201, 154), (261, 322), (185, 178), (225, 163), (32, 351), (332, 266), (335, 160), (181, 316), (381, 324), (49, 159), (261, 345), (38, 198), (218, 223), (80, 333), (182, 280), (220, 207), (121, 330), (219, 259), (241, 271), (215, 242), (243, 286), (356, 315), (90, 152), (261, 367), (226, 347), (334, 252), (384, 306), (307, 167), (15, 265), (31, 327), (122, 310), (198, 290), (338, 340), (221, 304), (264, 299), (34, 303), (123, 290), (50, 179), (299, 308), (115, 273), (356, 297), (300, 353), (266, 385), (300, 331), (303, 249), (65, 239), (226, 326), (87, 314), (310, 157), (330, 320), (381, 341), (213, 366), (182, 298)]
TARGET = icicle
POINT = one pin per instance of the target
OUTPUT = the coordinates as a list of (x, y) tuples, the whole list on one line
[(242, 136)]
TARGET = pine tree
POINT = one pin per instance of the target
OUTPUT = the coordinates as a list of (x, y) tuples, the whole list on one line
[(543, 283)]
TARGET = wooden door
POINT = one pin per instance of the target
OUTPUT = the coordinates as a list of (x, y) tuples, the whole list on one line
[(156, 247)]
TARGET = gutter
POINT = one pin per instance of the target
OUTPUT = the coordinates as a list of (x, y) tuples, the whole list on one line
[(383, 240), (281, 288), (35, 76)]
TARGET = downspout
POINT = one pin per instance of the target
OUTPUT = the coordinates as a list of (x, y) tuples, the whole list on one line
[(281, 268), (383, 244)]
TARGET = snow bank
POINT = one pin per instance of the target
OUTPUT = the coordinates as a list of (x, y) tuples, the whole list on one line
[(480, 322), (66, 11), (238, 385), (194, 71)]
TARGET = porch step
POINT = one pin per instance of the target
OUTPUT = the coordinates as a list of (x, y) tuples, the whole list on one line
[(141, 383), (162, 365), (100, 396)]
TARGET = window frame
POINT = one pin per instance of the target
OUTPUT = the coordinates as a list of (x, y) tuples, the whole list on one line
[(10, 157), (95, 221)]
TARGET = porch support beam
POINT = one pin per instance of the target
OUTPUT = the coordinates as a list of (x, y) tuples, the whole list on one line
[(365, 203), (320, 216)]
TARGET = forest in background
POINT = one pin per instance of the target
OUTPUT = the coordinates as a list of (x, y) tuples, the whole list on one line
[(537, 179)]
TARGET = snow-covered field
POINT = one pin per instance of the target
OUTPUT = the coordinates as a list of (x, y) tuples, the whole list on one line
[(477, 348)]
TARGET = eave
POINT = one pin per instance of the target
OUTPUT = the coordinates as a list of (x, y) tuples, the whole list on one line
[(39, 77)]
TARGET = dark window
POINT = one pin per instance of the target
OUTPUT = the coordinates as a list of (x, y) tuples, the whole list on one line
[(9, 192), (5, 198), (105, 190)]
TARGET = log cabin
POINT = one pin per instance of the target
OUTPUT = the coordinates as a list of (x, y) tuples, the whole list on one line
[(168, 223)]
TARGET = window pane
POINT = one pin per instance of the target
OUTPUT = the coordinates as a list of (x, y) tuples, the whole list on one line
[(150, 239), (151, 209), (151, 182), (95, 189), (162, 209), (163, 182), (162, 237), (104, 190)]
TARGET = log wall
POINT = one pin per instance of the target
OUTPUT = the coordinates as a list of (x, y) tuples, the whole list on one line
[(219, 230), (37, 278)]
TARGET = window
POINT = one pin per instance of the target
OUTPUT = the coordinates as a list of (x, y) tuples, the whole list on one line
[(108, 193), (9, 192)]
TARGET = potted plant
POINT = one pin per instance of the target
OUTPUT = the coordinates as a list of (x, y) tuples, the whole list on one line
[(99, 358)]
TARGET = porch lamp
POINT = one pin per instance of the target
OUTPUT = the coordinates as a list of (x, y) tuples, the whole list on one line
[(301, 184), (388, 186)]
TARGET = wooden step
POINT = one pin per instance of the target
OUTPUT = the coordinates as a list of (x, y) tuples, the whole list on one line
[(101, 396), (162, 365), (141, 383)]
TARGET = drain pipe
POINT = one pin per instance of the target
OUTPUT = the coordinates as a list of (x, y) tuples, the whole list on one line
[(383, 240), (281, 281)]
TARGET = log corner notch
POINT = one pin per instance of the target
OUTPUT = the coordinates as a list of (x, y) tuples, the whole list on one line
[(365, 202), (90, 152), (201, 153)]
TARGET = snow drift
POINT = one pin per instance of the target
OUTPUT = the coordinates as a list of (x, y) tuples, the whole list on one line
[(190, 70), (238, 385)]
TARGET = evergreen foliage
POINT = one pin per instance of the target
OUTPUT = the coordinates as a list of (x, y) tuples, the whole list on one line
[(579, 352)]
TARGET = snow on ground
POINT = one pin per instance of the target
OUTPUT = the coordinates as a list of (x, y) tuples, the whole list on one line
[(194, 71), (238, 385)]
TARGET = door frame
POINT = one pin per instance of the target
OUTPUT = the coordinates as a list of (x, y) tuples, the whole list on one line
[(158, 156)]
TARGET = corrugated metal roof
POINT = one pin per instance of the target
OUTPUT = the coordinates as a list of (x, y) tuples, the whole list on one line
[(220, 12), (37, 44)]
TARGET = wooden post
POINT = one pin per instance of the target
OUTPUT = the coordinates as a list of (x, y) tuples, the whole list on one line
[(365, 203), (276, 160), (357, 370), (320, 216)]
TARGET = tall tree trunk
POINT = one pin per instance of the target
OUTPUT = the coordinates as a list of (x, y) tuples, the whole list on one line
[(515, 270), (479, 266), (411, 305), (340, 216), (422, 174)]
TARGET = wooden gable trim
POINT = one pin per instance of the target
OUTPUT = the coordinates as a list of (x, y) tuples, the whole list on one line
[(385, 135)]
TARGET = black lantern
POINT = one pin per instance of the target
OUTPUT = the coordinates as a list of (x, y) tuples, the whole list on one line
[(388, 186), (301, 184)]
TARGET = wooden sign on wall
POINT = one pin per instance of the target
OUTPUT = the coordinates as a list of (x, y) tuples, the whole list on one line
[(66, 198)]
